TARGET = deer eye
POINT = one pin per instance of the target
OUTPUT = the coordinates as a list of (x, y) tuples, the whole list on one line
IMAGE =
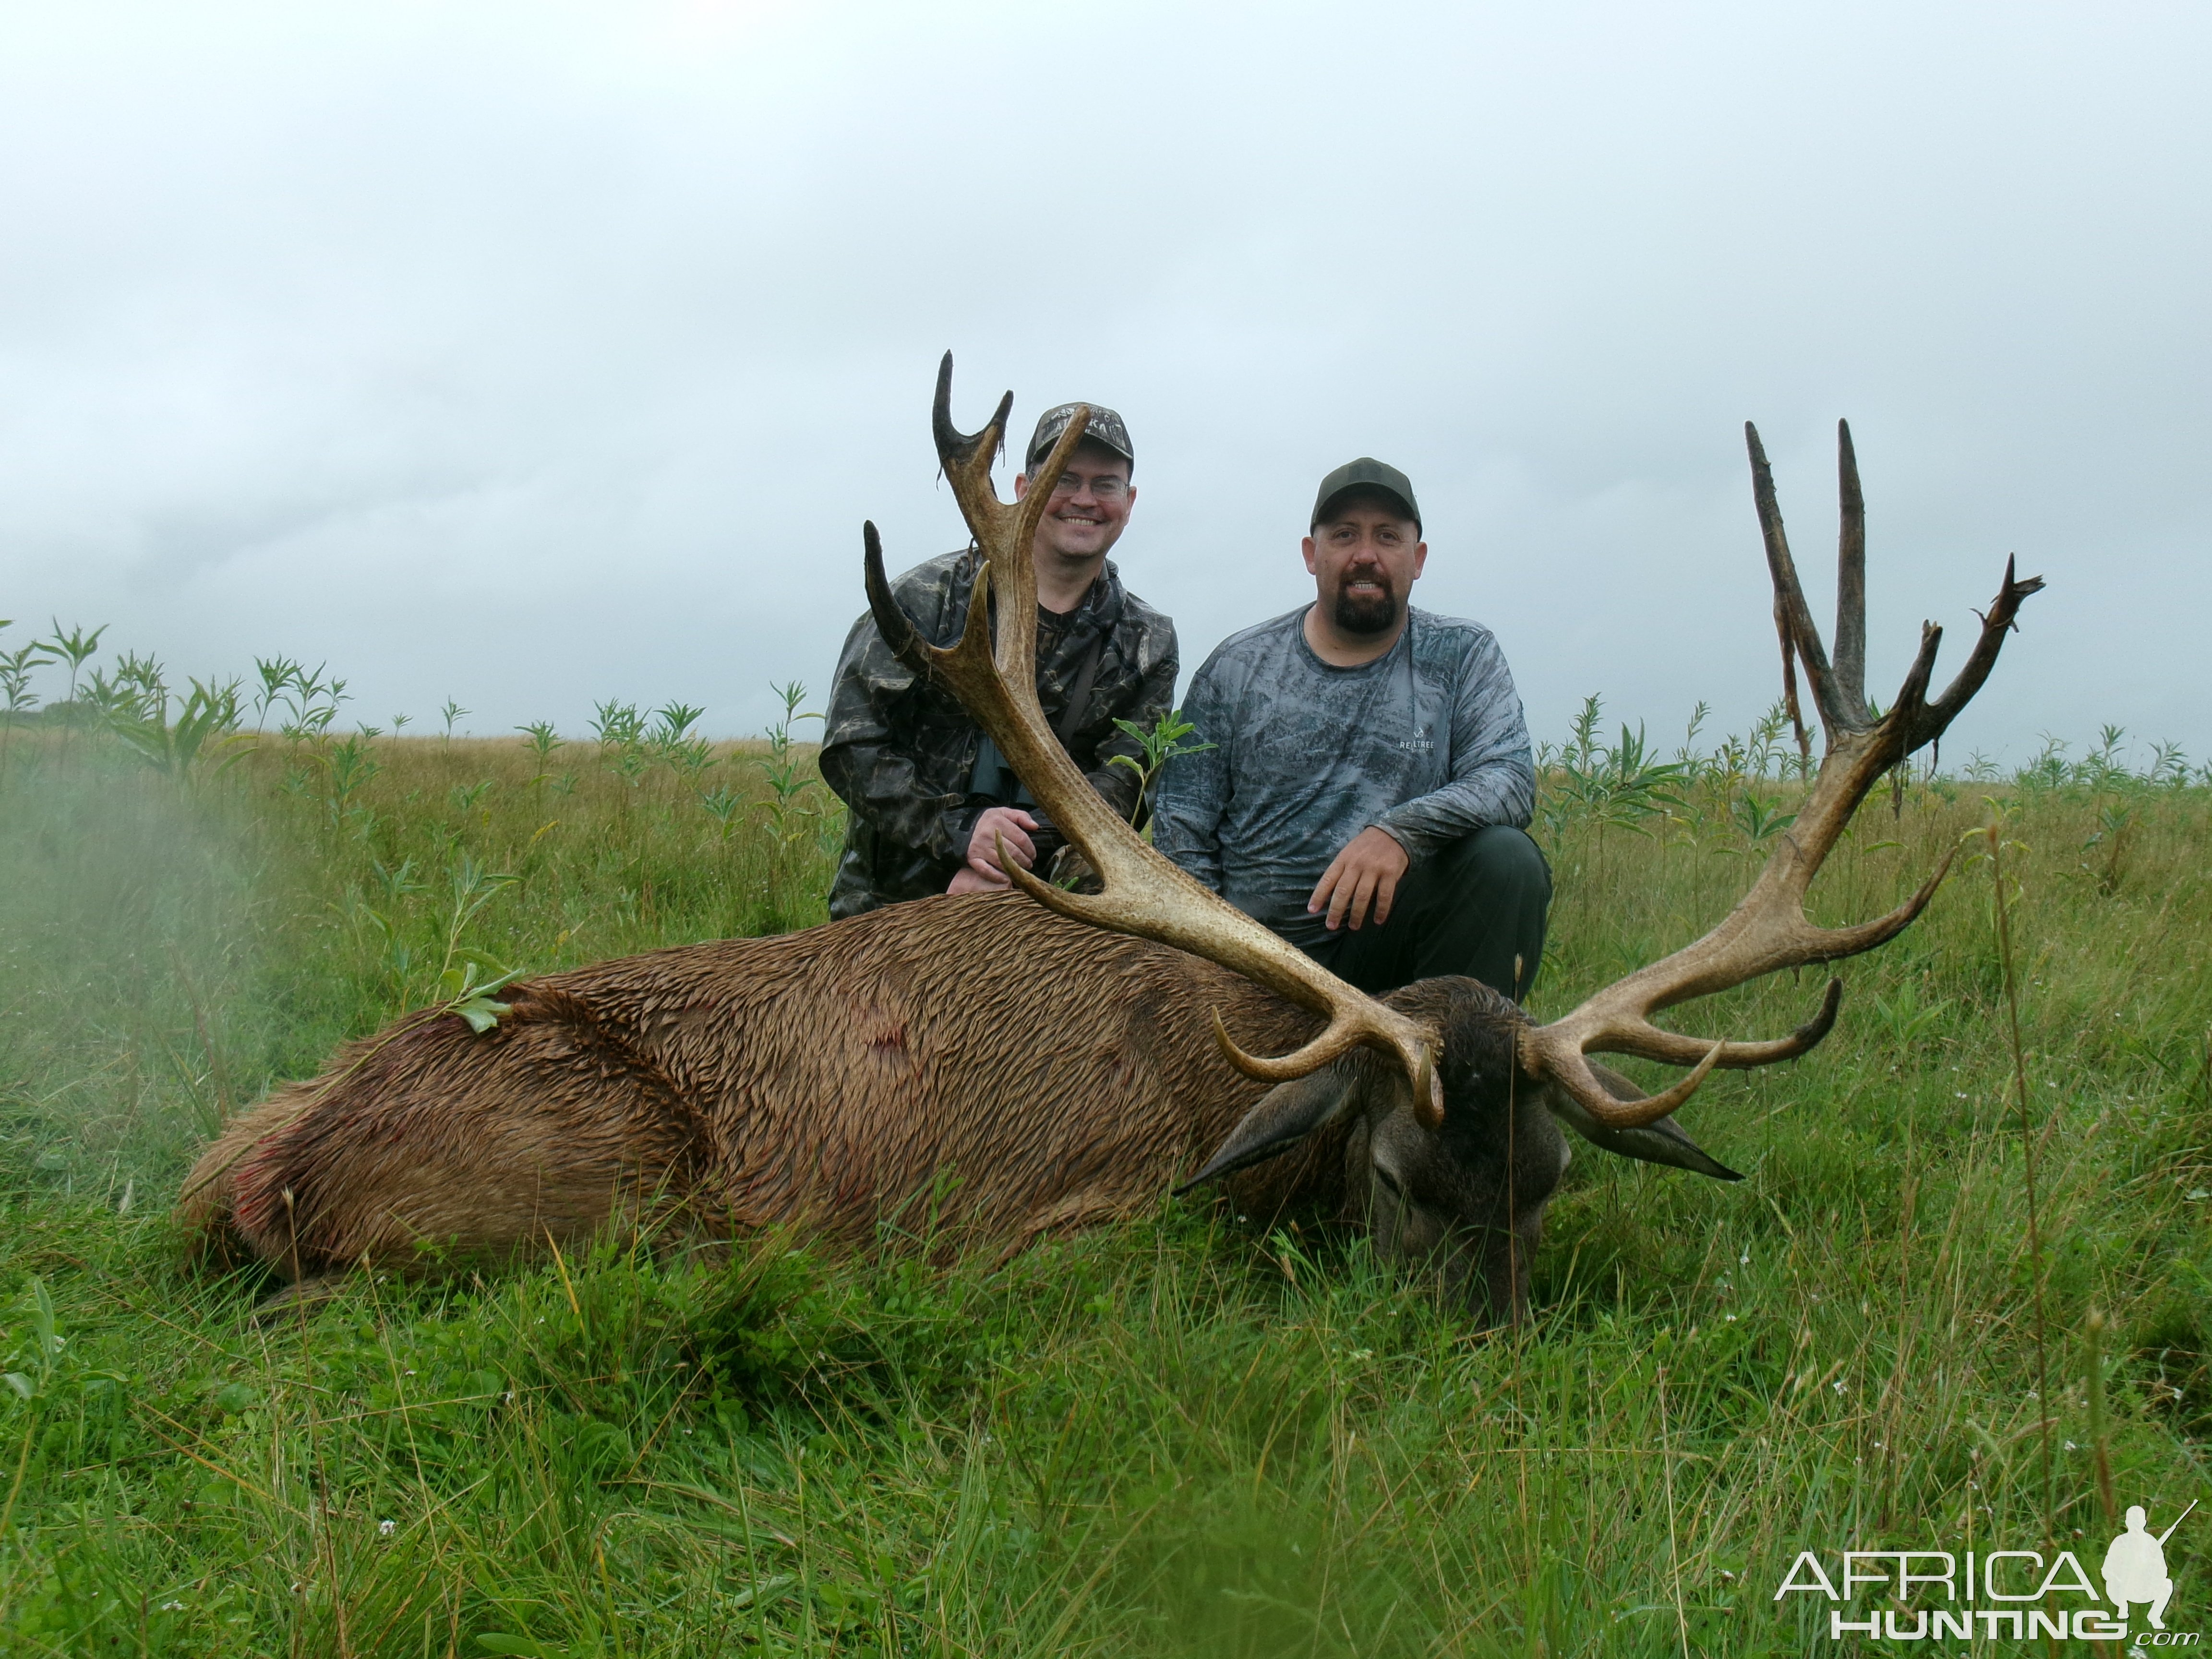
[(1389, 1180)]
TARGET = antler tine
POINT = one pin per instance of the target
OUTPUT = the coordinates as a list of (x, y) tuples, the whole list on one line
[(1145, 894), (1836, 715), (1768, 929), (1571, 1069), (1001, 528), (1340, 1037), (1647, 1041), (892, 620), (966, 458), (1851, 574), (1982, 657), (954, 446)]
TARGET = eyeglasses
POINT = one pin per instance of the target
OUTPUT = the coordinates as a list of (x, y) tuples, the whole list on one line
[(1106, 486)]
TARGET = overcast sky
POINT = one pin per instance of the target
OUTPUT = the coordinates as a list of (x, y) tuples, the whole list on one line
[(536, 355)]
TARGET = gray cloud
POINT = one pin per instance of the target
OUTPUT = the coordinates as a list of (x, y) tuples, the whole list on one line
[(531, 355)]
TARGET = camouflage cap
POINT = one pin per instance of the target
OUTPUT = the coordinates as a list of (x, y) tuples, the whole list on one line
[(1365, 473), (1105, 428)]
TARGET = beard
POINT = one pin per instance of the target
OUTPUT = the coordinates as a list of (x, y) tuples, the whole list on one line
[(1368, 613)]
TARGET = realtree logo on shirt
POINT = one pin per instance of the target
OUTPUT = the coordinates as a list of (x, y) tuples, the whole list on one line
[(2001, 1595)]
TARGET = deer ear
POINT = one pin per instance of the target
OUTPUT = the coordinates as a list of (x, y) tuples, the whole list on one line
[(1284, 1117), (1657, 1142)]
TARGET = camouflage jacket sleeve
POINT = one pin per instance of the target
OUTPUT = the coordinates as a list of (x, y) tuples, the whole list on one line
[(868, 756)]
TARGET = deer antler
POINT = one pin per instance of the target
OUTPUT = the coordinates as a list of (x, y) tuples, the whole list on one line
[(1145, 894), (1768, 929)]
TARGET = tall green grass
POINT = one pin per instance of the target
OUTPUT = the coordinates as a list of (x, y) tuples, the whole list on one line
[(1179, 1435)]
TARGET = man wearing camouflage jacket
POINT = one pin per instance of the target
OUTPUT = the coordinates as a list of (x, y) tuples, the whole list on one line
[(929, 798)]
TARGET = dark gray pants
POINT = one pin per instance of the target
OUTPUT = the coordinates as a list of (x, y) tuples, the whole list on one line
[(1474, 909)]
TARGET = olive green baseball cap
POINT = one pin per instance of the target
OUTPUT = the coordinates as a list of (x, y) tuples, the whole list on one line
[(1365, 473)]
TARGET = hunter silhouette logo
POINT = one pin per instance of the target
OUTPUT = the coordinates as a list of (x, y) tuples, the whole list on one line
[(1999, 1595), (2134, 1566)]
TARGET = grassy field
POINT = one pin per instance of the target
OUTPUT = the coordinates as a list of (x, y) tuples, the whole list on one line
[(1177, 1437)]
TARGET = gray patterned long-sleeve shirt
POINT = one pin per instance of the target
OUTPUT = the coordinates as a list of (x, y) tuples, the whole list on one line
[(902, 754), (1427, 741)]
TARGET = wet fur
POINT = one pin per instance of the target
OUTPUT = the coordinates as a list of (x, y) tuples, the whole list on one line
[(975, 1067)]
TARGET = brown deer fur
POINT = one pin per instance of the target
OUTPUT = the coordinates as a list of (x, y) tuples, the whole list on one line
[(1054, 1075)]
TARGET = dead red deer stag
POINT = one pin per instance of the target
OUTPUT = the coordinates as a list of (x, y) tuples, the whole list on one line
[(1018, 1064)]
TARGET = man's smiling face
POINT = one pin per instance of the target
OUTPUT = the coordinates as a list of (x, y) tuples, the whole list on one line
[(1090, 505), (1364, 559)]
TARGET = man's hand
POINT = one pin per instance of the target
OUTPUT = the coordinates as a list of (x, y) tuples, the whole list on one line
[(1368, 868), (981, 873)]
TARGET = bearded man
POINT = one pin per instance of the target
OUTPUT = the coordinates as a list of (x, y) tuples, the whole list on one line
[(1370, 785)]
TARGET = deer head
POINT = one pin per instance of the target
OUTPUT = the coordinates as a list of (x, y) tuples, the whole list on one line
[(1447, 1094)]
